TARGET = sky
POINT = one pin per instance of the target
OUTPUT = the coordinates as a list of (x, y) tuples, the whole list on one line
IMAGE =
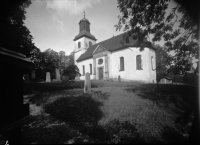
[(54, 23)]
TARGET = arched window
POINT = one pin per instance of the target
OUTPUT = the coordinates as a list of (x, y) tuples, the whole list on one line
[(121, 63), (90, 43), (90, 68), (139, 62), (152, 63), (83, 70), (79, 44)]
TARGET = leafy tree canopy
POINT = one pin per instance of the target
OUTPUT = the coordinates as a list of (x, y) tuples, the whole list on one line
[(163, 62), (48, 61), (147, 19), (72, 71), (14, 34)]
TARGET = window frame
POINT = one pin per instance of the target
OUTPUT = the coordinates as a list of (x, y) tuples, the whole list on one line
[(79, 44), (152, 62), (139, 65), (83, 70), (90, 69), (121, 59), (90, 43)]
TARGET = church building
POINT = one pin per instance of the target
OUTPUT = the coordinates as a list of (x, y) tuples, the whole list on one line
[(109, 59)]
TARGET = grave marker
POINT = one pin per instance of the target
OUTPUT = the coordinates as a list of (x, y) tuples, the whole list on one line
[(87, 84), (57, 75), (77, 78), (119, 78), (48, 78)]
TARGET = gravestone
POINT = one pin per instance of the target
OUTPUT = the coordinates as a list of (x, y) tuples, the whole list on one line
[(27, 80), (48, 78), (119, 78), (57, 74), (77, 78), (33, 74), (87, 84)]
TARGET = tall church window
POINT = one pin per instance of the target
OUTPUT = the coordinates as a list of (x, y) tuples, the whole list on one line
[(121, 63), (90, 43), (152, 63), (79, 44), (83, 70), (139, 62), (90, 68)]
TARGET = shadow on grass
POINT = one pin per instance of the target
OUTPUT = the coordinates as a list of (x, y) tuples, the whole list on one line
[(76, 110), (179, 95), (40, 98), (83, 114), (172, 136), (49, 87), (98, 95), (122, 133), (37, 132)]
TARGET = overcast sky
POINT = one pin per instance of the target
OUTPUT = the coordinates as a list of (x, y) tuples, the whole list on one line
[(54, 24)]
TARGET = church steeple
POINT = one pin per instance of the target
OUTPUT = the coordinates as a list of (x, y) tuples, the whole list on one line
[(84, 39), (84, 29), (84, 24)]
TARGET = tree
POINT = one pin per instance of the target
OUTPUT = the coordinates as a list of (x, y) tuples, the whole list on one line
[(14, 34), (163, 62), (147, 19), (34, 57), (71, 71), (71, 58), (63, 61), (48, 61)]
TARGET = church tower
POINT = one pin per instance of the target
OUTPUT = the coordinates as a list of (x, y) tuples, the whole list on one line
[(84, 39)]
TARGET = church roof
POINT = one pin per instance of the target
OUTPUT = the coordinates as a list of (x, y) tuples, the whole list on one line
[(111, 44), (84, 19), (84, 33)]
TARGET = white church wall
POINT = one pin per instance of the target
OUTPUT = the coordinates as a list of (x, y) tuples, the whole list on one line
[(82, 40), (77, 55), (130, 72), (79, 51), (110, 64), (86, 63), (87, 42), (84, 45)]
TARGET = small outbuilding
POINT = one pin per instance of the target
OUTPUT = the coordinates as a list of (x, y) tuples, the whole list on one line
[(12, 109)]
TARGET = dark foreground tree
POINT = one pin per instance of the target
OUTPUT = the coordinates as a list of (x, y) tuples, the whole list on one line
[(14, 35), (71, 71), (163, 62), (147, 19)]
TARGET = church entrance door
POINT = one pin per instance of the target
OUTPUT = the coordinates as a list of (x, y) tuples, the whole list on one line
[(100, 73)]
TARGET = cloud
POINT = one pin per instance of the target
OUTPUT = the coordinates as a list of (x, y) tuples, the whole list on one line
[(70, 7), (60, 24), (38, 3)]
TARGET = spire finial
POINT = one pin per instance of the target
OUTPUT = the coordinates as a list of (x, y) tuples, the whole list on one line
[(84, 13)]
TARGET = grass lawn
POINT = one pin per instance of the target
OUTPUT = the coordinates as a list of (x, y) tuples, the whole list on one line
[(116, 112)]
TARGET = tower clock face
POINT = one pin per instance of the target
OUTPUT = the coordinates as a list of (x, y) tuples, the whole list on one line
[(100, 61)]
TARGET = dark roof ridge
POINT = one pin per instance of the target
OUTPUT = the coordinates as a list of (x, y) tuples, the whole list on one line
[(112, 44)]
